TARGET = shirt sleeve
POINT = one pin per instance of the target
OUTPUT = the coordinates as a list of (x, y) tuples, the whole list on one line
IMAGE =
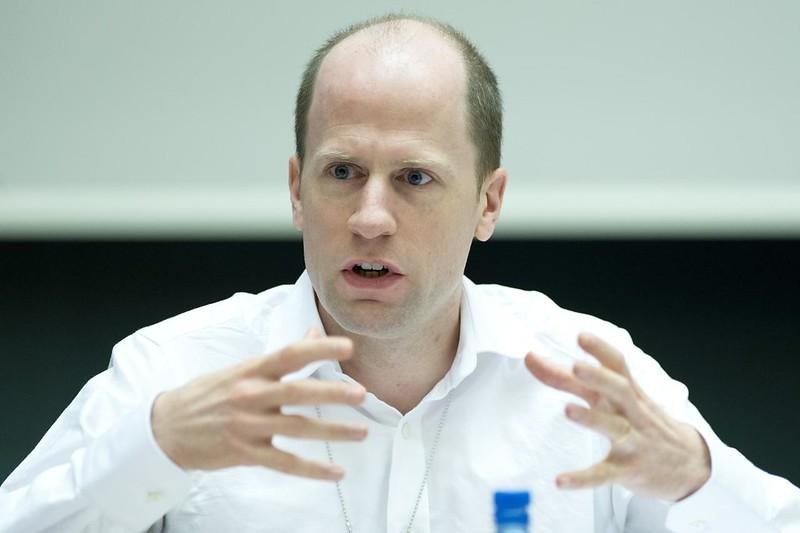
[(99, 468), (738, 496)]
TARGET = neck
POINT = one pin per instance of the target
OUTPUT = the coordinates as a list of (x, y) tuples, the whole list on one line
[(403, 369)]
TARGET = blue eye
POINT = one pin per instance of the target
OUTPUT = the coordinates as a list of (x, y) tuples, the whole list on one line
[(341, 171), (417, 177)]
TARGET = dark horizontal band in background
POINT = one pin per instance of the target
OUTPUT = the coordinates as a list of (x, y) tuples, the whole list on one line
[(721, 316)]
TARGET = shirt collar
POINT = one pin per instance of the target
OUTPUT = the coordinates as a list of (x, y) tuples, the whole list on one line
[(293, 318), (496, 324), (485, 331)]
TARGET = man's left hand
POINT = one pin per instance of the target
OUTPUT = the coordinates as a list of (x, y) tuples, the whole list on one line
[(652, 454)]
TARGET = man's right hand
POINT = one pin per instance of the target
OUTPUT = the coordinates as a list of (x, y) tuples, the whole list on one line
[(228, 418)]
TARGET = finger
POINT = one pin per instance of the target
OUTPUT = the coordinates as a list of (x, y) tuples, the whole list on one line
[(558, 378), (297, 355), (271, 457), (607, 355), (308, 428), (612, 426), (600, 474), (611, 386), (311, 392), (248, 427), (313, 333)]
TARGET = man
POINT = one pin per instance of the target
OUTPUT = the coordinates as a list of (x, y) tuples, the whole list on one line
[(383, 362)]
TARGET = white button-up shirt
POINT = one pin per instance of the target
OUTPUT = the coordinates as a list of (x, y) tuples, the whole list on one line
[(99, 468)]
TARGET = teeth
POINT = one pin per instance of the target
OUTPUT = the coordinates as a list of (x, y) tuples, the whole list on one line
[(371, 266)]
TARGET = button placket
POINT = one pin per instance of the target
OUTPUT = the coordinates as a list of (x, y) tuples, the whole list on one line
[(407, 471)]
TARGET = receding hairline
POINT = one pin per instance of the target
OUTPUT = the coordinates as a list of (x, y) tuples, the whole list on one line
[(384, 36), (482, 94), (388, 32), (407, 48)]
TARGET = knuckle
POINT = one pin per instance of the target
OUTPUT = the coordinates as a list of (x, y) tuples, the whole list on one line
[(292, 422), (292, 391), (286, 462), (244, 454), (289, 352), (624, 383), (243, 392), (284, 425), (232, 426), (332, 391), (251, 367)]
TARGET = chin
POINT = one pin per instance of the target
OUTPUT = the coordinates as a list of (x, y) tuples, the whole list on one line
[(371, 319)]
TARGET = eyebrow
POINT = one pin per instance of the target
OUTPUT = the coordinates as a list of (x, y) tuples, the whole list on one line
[(336, 155), (422, 163)]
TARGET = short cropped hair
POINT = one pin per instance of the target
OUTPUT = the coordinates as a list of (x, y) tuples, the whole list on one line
[(484, 103)]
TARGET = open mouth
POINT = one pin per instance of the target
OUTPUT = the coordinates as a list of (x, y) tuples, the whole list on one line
[(370, 270)]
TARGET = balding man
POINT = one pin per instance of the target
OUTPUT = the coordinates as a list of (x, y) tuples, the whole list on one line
[(383, 362)]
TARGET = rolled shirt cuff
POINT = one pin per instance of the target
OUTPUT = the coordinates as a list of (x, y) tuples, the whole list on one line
[(129, 477), (718, 505)]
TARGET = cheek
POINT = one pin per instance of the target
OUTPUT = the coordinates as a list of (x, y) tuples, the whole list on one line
[(321, 225), (321, 215), (447, 242)]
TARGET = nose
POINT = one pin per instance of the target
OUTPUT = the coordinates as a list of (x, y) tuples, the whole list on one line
[(373, 217)]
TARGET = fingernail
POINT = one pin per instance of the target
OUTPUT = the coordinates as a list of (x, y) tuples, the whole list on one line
[(356, 393), (336, 472), (586, 337), (358, 432), (343, 343)]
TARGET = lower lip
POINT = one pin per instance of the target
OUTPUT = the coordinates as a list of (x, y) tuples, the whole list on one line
[(380, 282)]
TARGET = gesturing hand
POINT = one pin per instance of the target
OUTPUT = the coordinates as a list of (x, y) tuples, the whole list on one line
[(652, 454), (229, 417)]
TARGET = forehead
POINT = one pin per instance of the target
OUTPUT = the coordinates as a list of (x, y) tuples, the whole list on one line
[(410, 80)]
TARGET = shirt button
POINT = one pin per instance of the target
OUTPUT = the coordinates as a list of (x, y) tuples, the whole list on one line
[(406, 430), (698, 525), (154, 495)]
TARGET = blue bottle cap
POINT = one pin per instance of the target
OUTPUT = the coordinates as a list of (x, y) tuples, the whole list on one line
[(511, 507)]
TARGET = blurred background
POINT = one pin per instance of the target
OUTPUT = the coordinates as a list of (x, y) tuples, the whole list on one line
[(654, 181)]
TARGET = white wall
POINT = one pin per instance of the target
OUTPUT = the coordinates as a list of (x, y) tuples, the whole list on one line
[(174, 118)]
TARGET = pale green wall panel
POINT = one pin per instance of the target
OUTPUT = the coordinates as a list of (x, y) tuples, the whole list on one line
[(646, 118)]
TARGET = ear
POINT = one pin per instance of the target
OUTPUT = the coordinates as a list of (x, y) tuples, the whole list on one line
[(294, 192), (491, 201)]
